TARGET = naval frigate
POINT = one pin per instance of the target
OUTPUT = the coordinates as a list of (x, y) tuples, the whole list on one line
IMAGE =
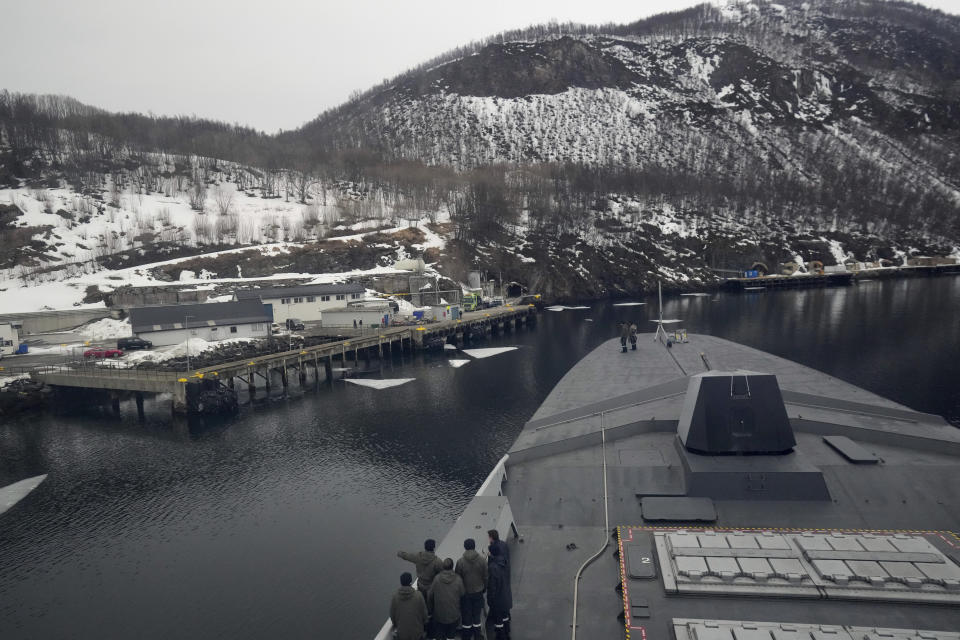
[(706, 490)]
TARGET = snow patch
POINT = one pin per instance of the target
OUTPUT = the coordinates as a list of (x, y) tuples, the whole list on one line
[(378, 384), (192, 347), (836, 250), (106, 329), (457, 363), (11, 379), (488, 352)]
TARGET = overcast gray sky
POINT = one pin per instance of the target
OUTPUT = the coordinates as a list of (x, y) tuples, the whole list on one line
[(270, 64)]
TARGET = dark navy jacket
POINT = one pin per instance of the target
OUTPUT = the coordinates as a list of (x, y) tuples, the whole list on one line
[(499, 596)]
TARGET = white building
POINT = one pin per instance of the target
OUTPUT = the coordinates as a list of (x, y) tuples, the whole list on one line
[(441, 312), (366, 315), (173, 324), (9, 338), (304, 302)]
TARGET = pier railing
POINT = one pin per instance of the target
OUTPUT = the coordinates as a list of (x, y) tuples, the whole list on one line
[(118, 375), (80, 369)]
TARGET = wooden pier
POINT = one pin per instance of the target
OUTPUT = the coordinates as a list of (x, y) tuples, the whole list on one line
[(789, 282), (186, 387)]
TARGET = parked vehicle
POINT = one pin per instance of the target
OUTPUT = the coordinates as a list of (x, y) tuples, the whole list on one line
[(133, 343), (275, 328), (102, 353), (295, 325), (471, 302)]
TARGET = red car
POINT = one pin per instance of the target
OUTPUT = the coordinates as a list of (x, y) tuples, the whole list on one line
[(102, 353)]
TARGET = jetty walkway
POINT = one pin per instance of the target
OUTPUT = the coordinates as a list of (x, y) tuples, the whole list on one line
[(184, 387)]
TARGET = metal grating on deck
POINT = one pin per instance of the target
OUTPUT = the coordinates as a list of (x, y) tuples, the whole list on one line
[(693, 629)]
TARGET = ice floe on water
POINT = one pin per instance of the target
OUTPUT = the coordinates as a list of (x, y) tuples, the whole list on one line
[(378, 384), (449, 347), (14, 493), (486, 353), (628, 304), (457, 363), (560, 307)]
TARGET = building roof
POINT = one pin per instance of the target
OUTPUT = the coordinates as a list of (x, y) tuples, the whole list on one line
[(200, 315), (269, 293)]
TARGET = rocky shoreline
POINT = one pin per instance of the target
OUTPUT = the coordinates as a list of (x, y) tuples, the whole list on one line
[(22, 395)]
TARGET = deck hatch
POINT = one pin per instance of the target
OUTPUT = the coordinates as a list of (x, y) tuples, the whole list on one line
[(678, 509), (850, 450), (640, 559)]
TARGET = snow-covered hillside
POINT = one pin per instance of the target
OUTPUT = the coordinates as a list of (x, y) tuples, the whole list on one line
[(620, 246), (580, 161), (832, 99), (81, 243)]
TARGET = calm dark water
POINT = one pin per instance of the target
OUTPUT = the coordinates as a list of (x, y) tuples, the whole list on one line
[(285, 521)]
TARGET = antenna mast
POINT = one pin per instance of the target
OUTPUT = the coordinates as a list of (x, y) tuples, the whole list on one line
[(660, 330)]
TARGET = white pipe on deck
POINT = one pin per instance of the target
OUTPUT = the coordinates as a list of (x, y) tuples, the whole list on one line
[(606, 529)]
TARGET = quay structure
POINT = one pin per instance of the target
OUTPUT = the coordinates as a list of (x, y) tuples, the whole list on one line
[(836, 278), (186, 387)]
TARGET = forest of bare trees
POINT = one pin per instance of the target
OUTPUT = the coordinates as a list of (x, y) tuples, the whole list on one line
[(48, 141), (481, 201)]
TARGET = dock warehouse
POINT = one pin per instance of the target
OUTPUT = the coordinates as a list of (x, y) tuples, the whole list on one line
[(173, 324), (368, 315), (303, 302)]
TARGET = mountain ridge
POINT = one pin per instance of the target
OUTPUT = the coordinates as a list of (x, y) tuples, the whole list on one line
[(569, 155)]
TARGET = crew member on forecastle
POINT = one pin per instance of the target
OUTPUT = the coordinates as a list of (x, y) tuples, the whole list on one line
[(499, 595), (408, 610), (444, 600), (427, 563), (495, 541), (472, 569)]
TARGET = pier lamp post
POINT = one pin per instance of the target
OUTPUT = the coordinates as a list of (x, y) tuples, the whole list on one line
[(187, 329)]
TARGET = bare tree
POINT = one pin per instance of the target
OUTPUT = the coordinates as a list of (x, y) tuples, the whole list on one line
[(115, 191), (245, 232), (226, 228), (198, 196), (311, 215), (295, 231), (301, 183), (201, 230), (223, 198)]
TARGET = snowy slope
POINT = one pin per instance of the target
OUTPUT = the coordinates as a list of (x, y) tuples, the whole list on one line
[(707, 139), (825, 96)]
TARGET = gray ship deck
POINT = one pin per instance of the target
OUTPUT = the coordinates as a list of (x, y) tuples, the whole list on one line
[(555, 489)]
